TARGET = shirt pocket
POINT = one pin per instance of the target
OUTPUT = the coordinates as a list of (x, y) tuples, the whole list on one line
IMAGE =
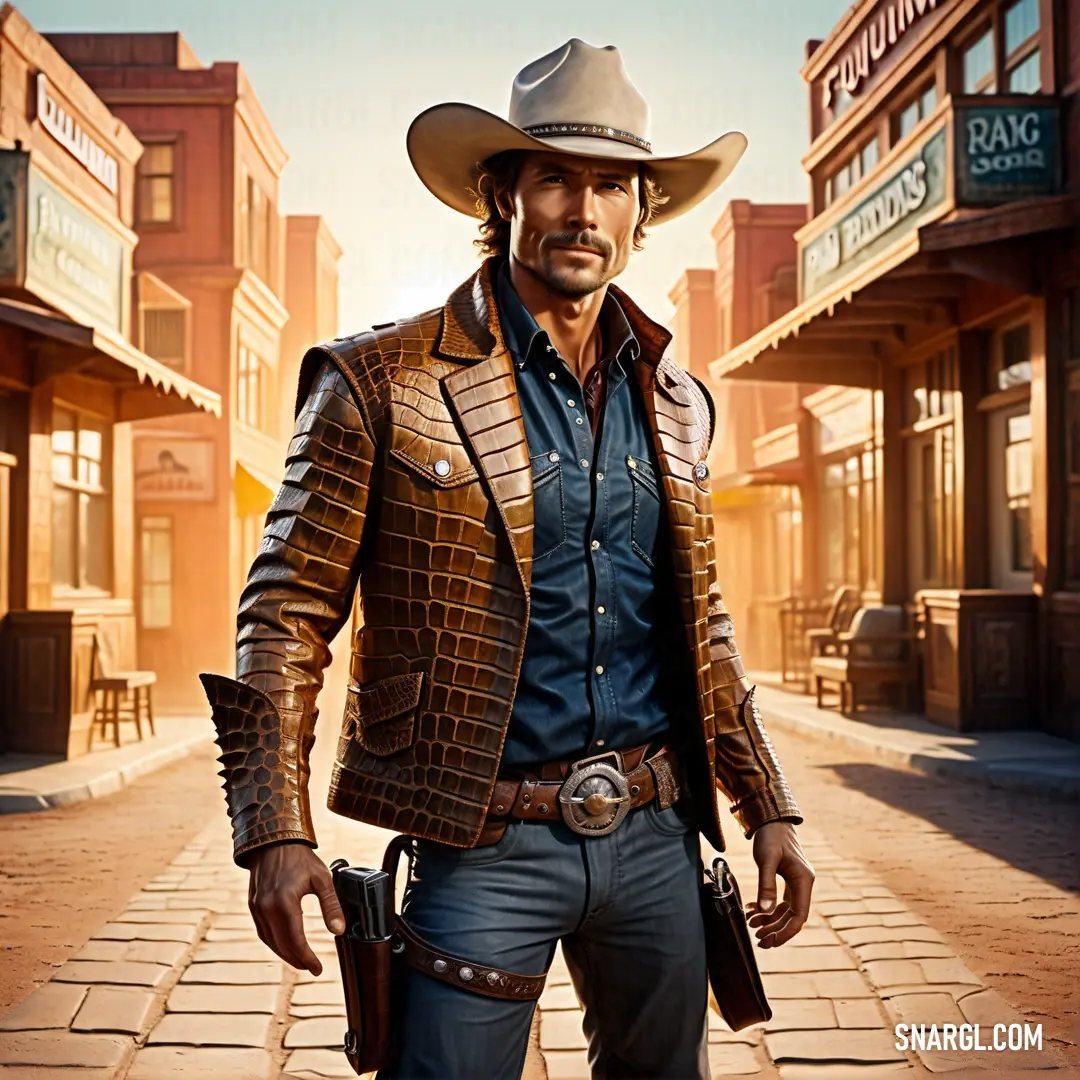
[(549, 511), (645, 518)]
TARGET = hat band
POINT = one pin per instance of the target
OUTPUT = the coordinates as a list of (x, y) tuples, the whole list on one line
[(603, 132)]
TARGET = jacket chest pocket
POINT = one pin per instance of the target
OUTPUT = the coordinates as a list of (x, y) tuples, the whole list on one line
[(381, 715), (549, 509), (645, 511)]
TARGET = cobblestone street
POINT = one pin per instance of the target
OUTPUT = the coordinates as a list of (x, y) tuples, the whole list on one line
[(176, 983)]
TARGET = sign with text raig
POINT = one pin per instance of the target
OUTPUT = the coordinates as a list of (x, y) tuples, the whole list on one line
[(892, 209), (1006, 150)]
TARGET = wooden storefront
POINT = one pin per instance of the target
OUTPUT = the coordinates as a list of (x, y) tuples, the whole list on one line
[(71, 384), (938, 279)]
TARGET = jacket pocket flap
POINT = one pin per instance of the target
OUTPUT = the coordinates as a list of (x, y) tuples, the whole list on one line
[(381, 715), (430, 470), (380, 700), (444, 463)]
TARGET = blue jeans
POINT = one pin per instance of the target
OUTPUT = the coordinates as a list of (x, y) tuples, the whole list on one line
[(624, 906)]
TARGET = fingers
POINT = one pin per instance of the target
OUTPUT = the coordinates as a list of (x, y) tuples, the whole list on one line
[(323, 886), (767, 867), (292, 934), (275, 905)]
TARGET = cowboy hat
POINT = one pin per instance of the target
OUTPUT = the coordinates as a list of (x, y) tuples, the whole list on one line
[(575, 100)]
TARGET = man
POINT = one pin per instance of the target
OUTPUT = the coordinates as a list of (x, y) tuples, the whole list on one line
[(546, 691)]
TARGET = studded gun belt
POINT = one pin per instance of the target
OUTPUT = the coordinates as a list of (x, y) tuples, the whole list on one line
[(593, 795)]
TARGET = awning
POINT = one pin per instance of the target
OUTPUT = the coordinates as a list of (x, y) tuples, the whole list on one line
[(253, 490), (842, 335), (144, 386)]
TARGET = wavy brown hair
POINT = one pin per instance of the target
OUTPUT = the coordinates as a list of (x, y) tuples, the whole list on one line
[(498, 175)]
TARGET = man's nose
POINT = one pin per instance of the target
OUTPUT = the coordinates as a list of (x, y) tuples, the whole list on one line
[(582, 211)]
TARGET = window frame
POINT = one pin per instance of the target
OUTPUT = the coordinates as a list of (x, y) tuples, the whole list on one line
[(103, 492), (176, 222), (1010, 61), (169, 582)]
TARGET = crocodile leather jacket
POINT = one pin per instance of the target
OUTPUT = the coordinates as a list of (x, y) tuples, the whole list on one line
[(409, 480)]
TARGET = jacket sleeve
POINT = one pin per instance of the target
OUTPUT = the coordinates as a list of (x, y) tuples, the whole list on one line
[(297, 597), (747, 768)]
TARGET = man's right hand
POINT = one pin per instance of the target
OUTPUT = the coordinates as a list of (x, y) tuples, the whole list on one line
[(282, 875)]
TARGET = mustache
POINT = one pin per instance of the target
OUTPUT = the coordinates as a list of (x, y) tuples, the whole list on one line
[(579, 239)]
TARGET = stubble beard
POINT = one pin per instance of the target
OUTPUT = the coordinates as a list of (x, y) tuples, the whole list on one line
[(575, 284)]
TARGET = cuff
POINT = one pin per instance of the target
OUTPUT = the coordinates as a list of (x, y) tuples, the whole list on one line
[(763, 806)]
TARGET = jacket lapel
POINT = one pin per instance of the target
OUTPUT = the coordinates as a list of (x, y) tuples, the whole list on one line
[(483, 396)]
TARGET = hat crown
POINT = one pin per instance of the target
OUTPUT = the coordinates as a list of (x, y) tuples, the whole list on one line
[(579, 83)]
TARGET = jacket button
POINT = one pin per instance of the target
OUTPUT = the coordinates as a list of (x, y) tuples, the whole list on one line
[(553, 456), (630, 461), (442, 467)]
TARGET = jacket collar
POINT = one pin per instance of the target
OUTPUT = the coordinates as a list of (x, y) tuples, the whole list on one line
[(471, 329)]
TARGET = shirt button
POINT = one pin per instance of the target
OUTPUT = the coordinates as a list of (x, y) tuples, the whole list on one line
[(570, 402), (599, 609), (580, 421), (599, 476), (553, 456), (599, 669), (584, 463), (599, 742), (595, 544), (551, 375)]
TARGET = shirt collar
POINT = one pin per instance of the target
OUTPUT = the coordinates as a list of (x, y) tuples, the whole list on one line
[(521, 329)]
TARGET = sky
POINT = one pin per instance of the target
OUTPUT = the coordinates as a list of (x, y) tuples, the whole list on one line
[(341, 80)]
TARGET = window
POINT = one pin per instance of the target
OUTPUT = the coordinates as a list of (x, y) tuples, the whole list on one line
[(156, 572), (251, 389), (156, 183), (1011, 358), (917, 110), (929, 389), (164, 333), (1022, 60), (1018, 490), (931, 476), (258, 230), (81, 508), (851, 172), (850, 521), (979, 65)]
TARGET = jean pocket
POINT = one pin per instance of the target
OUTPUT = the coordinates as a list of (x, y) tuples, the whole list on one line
[(674, 821), (645, 520), (444, 857), (549, 512)]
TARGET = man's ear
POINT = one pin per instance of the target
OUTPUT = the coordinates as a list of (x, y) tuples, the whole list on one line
[(505, 206)]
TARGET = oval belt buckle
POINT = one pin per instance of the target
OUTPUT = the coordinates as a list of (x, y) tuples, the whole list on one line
[(594, 798)]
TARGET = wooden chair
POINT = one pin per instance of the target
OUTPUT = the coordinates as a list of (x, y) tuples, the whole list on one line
[(876, 651), (123, 694), (845, 604)]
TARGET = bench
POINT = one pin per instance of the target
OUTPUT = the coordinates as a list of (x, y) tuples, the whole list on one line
[(876, 651), (123, 694)]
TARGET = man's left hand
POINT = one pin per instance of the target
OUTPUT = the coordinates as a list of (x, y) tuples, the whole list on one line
[(777, 851)]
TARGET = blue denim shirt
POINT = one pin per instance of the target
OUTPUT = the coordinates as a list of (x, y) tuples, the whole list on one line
[(604, 646)]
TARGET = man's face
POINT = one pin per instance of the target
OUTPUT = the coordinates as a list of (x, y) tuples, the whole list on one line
[(573, 219)]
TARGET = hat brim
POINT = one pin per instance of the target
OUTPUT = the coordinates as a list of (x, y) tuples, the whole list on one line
[(447, 142)]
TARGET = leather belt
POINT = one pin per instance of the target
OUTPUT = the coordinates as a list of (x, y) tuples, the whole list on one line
[(592, 795)]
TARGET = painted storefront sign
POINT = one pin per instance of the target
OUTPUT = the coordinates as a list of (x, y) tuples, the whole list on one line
[(1007, 150), (69, 256), (891, 211)]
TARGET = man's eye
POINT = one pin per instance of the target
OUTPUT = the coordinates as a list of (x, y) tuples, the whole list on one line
[(616, 185), (554, 176)]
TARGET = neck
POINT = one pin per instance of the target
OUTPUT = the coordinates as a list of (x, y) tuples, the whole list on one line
[(571, 323)]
